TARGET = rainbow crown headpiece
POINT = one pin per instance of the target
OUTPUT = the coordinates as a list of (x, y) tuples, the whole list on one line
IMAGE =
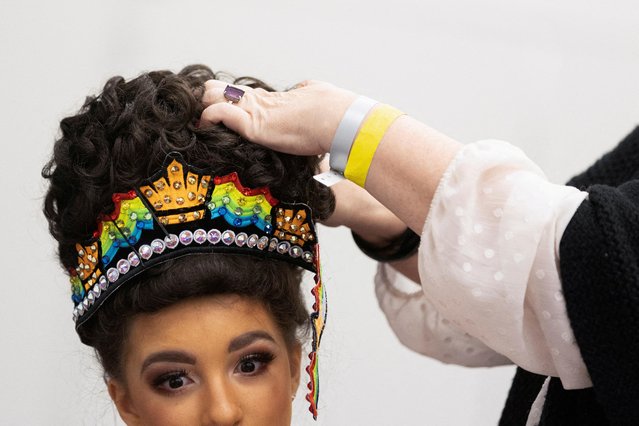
[(183, 210)]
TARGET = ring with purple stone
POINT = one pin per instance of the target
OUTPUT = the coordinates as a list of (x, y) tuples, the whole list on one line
[(233, 94)]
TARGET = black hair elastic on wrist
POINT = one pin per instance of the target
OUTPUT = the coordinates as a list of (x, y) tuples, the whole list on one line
[(402, 247)]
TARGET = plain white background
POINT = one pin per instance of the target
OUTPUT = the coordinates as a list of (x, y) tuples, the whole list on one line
[(556, 78)]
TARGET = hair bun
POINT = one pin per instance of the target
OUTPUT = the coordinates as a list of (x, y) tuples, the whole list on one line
[(120, 137)]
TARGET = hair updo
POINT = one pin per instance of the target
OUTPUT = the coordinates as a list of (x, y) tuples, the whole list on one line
[(121, 137)]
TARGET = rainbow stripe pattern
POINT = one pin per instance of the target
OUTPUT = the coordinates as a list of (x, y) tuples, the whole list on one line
[(318, 321), (241, 206), (182, 210), (123, 228)]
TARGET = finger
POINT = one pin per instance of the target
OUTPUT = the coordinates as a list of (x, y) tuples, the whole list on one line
[(300, 85), (213, 95), (324, 164), (307, 83), (214, 92), (230, 115), (209, 84)]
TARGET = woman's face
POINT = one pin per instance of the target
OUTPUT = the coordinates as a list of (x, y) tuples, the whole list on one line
[(218, 360)]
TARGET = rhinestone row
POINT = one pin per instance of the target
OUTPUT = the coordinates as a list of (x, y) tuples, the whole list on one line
[(199, 236)]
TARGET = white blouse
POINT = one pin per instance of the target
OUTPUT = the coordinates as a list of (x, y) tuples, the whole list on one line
[(489, 269)]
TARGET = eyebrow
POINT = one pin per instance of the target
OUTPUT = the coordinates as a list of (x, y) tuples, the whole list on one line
[(168, 356), (247, 338)]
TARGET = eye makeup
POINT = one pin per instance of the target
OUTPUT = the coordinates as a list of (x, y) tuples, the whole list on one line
[(172, 382), (254, 363)]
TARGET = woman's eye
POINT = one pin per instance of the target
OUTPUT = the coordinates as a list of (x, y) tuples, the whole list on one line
[(248, 366), (173, 381), (253, 364)]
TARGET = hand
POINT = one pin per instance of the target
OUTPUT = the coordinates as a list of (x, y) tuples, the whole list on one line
[(301, 121)]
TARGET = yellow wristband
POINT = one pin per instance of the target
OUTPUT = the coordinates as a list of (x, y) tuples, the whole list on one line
[(367, 141)]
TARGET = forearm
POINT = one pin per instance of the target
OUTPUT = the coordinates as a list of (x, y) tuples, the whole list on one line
[(408, 268), (365, 216), (411, 158), (377, 226), (407, 168)]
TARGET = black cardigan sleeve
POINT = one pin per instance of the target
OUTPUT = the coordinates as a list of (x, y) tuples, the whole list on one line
[(599, 266), (599, 271)]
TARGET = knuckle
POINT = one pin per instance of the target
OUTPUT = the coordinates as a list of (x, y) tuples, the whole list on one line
[(206, 117)]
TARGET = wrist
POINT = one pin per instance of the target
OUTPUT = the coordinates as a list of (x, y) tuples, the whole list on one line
[(335, 103), (368, 138), (346, 131), (403, 246), (356, 138), (377, 226)]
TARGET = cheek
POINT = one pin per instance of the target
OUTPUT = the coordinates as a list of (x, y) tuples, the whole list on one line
[(269, 402), (154, 409)]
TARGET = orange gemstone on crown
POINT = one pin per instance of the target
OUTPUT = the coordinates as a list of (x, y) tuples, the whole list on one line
[(292, 226), (178, 190)]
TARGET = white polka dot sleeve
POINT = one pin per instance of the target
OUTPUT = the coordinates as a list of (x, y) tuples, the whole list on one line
[(420, 327), (489, 259)]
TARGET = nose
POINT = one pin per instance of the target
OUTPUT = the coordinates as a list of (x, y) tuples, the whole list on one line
[(222, 406)]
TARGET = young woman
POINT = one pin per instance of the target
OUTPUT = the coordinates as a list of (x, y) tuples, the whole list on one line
[(186, 248)]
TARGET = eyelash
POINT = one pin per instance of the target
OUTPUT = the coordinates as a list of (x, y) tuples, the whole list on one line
[(264, 358), (163, 378)]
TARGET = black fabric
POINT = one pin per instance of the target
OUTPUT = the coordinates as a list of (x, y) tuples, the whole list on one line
[(402, 247), (599, 268), (599, 262), (524, 390), (574, 407)]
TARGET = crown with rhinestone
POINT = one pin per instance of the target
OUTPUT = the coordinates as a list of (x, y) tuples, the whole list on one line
[(183, 210)]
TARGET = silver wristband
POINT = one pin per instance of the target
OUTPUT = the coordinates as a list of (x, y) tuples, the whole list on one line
[(346, 132)]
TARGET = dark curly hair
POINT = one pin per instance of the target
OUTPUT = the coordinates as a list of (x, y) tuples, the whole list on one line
[(122, 136)]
